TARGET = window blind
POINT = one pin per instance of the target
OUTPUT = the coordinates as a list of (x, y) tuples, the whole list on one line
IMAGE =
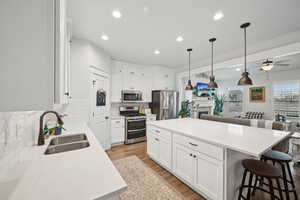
[(286, 100)]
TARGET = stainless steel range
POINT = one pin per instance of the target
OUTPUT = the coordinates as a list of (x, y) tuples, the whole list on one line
[(135, 124)]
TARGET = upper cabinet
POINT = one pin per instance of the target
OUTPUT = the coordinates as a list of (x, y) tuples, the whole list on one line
[(128, 76), (30, 68), (163, 78)]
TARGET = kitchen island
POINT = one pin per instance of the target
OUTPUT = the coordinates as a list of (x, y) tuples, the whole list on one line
[(206, 155)]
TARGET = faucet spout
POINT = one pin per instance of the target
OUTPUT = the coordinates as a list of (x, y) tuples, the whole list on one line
[(41, 138)]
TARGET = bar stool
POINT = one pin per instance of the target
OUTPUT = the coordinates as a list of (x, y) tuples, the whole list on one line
[(283, 160), (260, 170)]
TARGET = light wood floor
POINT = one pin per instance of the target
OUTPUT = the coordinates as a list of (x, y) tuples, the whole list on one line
[(139, 150)]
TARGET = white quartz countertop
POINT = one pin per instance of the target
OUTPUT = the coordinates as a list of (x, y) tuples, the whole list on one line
[(83, 174), (249, 140)]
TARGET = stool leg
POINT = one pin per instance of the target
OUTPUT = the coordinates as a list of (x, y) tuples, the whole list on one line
[(242, 185), (290, 175), (261, 180), (249, 184), (286, 188), (271, 189), (279, 188), (255, 185)]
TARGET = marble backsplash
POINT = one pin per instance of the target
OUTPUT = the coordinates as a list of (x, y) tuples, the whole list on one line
[(18, 130)]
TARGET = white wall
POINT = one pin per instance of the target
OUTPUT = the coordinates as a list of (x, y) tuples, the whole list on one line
[(83, 56), (267, 80)]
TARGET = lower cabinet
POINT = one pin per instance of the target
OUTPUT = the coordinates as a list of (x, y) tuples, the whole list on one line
[(117, 130), (159, 149), (209, 176), (198, 164), (183, 163)]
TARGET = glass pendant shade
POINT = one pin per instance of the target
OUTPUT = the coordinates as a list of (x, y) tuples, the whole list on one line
[(245, 80), (267, 65)]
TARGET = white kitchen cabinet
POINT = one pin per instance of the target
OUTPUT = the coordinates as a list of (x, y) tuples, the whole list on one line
[(163, 78), (183, 163), (209, 176), (117, 81), (159, 147), (128, 76), (117, 130), (153, 146)]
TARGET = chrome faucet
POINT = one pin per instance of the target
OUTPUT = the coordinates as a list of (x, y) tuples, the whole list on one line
[(41, 138)]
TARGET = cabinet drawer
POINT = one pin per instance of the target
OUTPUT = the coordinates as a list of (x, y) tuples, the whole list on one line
[(160, 132), (202, 147), (117, 122)]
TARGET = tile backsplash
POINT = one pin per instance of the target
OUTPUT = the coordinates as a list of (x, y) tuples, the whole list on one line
[(17, 131)]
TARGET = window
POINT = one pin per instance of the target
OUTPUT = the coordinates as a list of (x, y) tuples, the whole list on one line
[(286, 100)]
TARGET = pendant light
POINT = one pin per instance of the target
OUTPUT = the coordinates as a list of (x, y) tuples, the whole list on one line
[(212, 84), (189, 85), (245, 80)]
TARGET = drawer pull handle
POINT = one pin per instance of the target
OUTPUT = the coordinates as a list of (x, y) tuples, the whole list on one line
[(193, 144), (157, 131), (117, 121), (156, 139)]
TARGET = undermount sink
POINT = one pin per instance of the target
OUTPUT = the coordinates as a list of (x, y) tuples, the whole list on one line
[(67, 143), (68, 139), (52, 149)]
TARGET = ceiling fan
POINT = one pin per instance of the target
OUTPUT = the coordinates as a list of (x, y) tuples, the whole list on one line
[(267, 65)]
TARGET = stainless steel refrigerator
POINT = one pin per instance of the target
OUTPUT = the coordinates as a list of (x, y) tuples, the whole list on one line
[(165, 104)]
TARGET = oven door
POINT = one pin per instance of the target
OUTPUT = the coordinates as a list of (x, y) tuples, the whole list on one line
[(131, 96), (135, 130)]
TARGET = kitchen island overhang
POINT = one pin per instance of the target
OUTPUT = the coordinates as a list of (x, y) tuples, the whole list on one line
[(212, 151)]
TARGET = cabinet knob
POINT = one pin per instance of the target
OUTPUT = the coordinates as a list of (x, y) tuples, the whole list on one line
[(191, 154), (194, 156), (67, 93)]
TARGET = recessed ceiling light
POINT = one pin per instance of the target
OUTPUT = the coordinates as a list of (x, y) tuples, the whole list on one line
[(238, 69), (218, 16), (104, 37), (156, 52), (116, 14), (179, 39)]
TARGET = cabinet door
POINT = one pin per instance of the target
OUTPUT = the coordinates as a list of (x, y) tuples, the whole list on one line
[(209, 176), (183, 163), (117, 135), (117, 82), (153, 146), (165, 155), (131, 79)]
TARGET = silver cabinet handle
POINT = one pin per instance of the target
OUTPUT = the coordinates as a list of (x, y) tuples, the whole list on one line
[(193, 144)]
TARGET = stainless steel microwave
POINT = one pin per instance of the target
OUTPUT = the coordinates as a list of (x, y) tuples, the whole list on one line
[(132, 96)]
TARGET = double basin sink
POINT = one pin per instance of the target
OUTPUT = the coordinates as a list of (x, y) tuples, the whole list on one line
[(67, 143)]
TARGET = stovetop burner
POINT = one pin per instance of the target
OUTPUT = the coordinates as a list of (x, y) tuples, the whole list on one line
[(130, 111)]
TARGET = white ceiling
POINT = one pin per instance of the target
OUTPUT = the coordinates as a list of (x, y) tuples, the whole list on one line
[(137, 34)]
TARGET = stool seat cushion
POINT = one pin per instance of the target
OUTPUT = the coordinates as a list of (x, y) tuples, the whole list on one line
[(261, 168), (277, 156)]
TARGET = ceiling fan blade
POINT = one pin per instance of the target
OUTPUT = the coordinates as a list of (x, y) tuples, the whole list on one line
[(282, 65), (282, 61)]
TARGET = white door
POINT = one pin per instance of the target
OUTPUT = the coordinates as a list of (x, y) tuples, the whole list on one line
[(184, 163), (209, 176), (99, 115)]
